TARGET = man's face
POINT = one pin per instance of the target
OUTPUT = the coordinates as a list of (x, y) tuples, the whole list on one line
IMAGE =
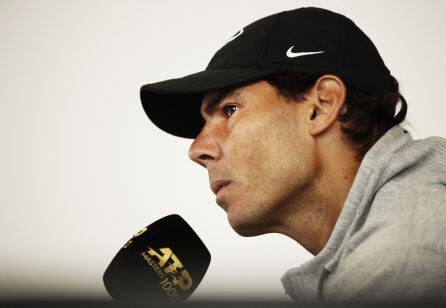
[(258, 142)]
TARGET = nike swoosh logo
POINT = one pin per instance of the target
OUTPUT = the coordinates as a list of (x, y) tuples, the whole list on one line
[(291, 54), (239, 32)]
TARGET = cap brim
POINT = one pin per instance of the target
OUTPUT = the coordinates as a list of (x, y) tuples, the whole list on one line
[(174, 105)]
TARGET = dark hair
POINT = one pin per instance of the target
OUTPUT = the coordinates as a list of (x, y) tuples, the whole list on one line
[(368, 115)]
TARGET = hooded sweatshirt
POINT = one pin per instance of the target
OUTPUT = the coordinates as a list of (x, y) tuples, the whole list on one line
[(389, 242)]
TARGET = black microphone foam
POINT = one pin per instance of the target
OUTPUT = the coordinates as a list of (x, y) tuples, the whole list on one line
[(163, 262)]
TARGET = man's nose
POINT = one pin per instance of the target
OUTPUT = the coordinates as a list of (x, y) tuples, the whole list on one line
[(205, 147)]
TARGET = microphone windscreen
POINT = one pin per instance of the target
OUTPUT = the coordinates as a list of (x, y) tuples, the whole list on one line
[(163, 262)]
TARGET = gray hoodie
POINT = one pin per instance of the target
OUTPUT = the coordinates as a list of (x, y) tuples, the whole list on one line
[(389, 242)]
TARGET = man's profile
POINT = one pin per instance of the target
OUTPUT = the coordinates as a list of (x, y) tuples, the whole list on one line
[(296, 120)]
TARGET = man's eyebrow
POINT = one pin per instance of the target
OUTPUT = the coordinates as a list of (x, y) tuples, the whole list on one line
[(209, 109)]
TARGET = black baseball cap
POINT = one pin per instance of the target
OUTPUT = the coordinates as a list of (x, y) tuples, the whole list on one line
[(307, 40)]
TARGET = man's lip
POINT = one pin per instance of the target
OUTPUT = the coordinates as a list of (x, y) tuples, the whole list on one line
[(217, 185)]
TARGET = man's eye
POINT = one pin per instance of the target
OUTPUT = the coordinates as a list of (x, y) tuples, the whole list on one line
[(228, 108)]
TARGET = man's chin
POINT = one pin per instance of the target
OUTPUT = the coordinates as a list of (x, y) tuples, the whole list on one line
[(244, 227)]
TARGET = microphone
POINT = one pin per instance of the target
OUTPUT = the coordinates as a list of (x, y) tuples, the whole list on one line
[(162, 263)]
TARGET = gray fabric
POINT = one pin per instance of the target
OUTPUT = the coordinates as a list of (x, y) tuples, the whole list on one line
[(389, 242)]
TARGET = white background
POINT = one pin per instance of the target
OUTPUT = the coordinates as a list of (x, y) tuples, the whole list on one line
[(81, 166)]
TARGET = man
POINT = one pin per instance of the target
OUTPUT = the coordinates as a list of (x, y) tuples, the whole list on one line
[(296, 121)]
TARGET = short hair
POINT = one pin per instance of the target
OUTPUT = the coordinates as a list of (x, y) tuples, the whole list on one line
[(368, 117)]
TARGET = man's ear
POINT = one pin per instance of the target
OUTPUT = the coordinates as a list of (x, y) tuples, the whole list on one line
[(328, 102)]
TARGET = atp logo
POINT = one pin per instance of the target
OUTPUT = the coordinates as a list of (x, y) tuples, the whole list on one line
[(172, 266)]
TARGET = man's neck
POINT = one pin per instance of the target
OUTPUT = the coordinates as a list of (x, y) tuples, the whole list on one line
[(316, 211)]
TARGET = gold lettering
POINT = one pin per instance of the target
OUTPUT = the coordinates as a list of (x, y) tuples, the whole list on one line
[(127, 244), (185, 282), (154, 266), (181, 277), (140, 232), (173, 267), (136, 235), (166, 253)]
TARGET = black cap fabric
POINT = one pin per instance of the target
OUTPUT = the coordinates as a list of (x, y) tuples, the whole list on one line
[(308, 40)]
